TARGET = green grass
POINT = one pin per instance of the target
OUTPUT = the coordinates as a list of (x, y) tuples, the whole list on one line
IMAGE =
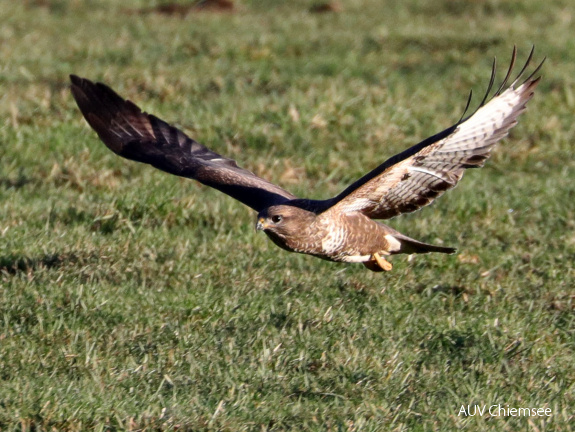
[(130, 299)]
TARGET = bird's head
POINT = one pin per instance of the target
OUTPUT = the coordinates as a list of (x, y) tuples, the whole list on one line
[(284, 220)]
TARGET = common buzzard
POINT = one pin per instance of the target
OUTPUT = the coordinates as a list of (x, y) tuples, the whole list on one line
[(340, 228)]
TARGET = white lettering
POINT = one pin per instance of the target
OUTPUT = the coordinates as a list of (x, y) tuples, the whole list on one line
[(499, 410), (476, 409), (503, 411), (526, 412)]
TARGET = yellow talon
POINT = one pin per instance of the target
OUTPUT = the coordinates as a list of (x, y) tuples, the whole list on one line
[(382, 262)]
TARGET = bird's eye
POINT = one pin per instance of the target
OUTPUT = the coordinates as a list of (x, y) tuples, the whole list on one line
[(276, 219)]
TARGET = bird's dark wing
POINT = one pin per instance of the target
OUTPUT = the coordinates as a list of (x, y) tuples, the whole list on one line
[(415, 177), (142, 137)]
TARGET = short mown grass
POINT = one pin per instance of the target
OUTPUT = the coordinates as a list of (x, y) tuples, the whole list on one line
[(134, 300)]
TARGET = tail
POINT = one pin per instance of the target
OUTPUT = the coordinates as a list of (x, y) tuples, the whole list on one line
[(408, 245)]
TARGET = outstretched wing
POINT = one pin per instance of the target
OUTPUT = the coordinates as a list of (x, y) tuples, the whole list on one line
[(142, 137), (415, 177)]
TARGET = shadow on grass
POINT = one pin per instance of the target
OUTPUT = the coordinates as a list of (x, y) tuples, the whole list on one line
[(13, 264), (16, 183)]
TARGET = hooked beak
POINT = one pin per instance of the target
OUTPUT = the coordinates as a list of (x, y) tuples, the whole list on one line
[(261, 224)]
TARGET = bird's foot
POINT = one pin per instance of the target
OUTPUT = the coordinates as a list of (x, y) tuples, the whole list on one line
[(377, 263), (382, 262)]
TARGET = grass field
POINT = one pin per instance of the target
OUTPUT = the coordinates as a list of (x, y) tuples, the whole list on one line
[(130, 299)]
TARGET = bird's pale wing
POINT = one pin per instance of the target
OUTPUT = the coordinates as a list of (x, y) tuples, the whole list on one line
[(415, 177), (142, 137)]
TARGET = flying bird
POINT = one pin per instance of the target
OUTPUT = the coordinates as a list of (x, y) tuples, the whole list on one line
[(342, 228)]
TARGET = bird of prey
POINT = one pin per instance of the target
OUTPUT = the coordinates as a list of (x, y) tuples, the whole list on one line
[(341, 228)]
